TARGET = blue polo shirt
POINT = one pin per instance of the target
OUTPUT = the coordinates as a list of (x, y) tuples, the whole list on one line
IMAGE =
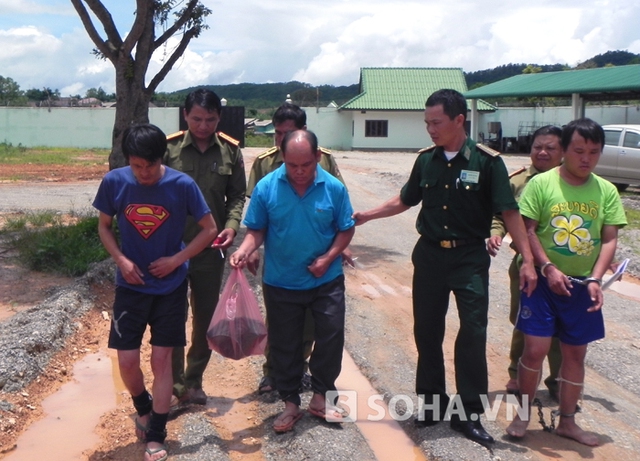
[(298, 229)]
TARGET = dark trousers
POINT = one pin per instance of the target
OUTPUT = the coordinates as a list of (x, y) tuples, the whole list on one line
[(205, 279), (285, 315), (438, 272)]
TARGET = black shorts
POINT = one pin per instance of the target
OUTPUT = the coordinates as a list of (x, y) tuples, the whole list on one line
[(133, 311)]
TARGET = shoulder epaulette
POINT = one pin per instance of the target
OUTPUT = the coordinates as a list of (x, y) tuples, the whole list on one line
[(427, 149), (324, 150), (517, 172), (228, 138), (269, 152), (487, 150), (175, 135)]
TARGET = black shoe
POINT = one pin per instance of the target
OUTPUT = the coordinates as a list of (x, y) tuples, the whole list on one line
[(428, 419), (472, 430)]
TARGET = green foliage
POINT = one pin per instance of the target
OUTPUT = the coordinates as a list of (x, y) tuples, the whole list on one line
[(258, 140), (10, 154), (613, 58), (44, 242), (10, 92), (100, 94)]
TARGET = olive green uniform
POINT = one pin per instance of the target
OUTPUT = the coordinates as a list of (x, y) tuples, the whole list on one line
[(264, 164), (459, 198), (271, 160), (219, 173), (518, 180)]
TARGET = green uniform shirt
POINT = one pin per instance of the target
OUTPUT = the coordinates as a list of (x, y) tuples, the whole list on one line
[(219, 173), (271, 160), (518, 180), (459, 196)]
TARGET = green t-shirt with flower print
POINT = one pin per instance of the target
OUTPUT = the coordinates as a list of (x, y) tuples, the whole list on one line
[(570, 218)]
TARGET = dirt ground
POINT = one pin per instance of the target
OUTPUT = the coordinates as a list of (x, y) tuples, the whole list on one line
[(384, 296)]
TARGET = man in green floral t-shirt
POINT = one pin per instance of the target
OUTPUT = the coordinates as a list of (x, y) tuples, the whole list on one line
[(572, 218)]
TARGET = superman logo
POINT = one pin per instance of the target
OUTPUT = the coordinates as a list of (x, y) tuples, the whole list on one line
[(146, 218)]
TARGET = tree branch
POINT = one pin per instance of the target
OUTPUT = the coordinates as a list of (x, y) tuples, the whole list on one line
[(177, 53), (144, 15), (91, 30), (182, 20)]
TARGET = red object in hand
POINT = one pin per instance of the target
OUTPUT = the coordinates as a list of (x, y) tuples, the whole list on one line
[(219, 241)]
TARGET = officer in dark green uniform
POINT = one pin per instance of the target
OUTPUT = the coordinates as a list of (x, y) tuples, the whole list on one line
[(461, 185), (215, 162), (546, 153), (288, 117)]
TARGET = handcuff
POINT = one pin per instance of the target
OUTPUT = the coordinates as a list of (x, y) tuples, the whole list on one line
[(584, 282)]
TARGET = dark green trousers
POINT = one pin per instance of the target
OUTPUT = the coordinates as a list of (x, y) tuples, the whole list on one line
[(205, 280), (437, 273), (517, 337)]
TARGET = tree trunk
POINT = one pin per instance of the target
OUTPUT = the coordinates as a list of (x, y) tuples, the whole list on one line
[(132, 106)]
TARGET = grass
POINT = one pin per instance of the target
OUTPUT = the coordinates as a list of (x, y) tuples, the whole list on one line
[(50, 242), (16, 155), (633, 218), (258, 140)]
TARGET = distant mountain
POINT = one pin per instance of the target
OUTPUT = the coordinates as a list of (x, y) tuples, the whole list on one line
[(270, 95), (484, 77), (267, 96)]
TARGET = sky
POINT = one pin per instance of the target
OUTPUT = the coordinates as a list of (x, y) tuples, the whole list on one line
[(43, 42)]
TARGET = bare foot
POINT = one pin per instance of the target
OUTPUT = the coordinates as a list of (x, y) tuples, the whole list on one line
[(155, 451), (287, 419), (512, 386), (517, 428), (571, 430)]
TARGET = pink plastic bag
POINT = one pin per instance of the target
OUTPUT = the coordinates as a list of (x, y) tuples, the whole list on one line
[(237, 329)]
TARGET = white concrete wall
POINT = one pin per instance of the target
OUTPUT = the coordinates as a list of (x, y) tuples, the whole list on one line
[(406, 130), (71, 126), (333, 128), (511, 117)]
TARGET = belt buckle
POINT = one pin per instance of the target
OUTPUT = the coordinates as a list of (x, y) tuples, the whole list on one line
[(446, 244)]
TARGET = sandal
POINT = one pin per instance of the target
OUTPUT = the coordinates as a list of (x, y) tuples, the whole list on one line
[(279, 424), (267, 384), (141, 430), (329, 413), (153, 451)]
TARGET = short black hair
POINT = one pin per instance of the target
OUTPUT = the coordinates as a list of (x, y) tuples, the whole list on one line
[(145, 141), (547, 130), (587, 128), (204, 98), (453, 103), (310, 136), (289, 111)]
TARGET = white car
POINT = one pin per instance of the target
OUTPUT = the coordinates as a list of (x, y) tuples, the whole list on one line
[(620, 159)]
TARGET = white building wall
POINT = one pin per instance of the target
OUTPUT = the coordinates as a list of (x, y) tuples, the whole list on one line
[(333, 128), (406, 130), (511, 117), (71, 126)]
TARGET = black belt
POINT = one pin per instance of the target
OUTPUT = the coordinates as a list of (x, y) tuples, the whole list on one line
[(457, 243)]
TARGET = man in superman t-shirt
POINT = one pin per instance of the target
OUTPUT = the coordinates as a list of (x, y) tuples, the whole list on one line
[(150, 202)]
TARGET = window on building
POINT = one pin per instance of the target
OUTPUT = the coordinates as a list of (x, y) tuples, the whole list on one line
[(376, 128)]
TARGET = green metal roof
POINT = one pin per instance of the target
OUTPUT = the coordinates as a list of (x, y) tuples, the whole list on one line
[(622, 82), (404, 88)]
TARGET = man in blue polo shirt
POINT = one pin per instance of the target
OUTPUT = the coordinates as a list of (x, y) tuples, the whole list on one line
[(303, 216)]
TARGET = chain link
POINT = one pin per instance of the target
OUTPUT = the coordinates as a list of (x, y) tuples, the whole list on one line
[(552, 426)]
